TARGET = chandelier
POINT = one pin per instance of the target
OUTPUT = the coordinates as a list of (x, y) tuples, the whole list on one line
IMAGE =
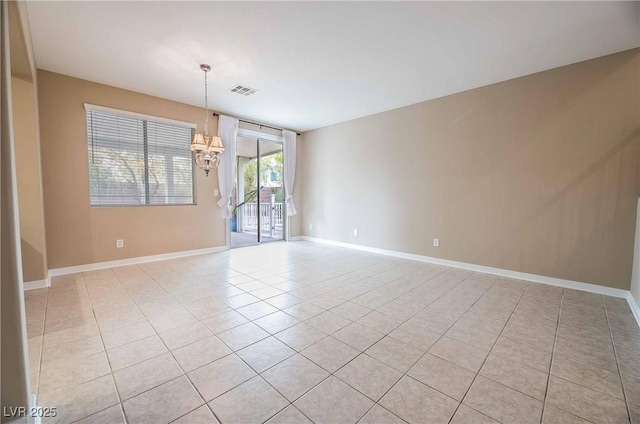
[(206, 150)]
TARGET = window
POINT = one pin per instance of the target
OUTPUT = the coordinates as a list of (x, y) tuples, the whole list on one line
[(137, 160)]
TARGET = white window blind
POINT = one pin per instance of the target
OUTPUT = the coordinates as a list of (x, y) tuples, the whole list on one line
[(136, 161)]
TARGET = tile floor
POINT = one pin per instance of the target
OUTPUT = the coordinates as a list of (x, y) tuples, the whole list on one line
[(299, 332), (247, 238)]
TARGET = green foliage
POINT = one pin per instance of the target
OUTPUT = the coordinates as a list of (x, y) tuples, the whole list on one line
[(249, 196), (250, 176), (271, 165)]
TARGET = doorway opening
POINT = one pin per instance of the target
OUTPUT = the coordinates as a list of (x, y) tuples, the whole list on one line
[(258, 215)]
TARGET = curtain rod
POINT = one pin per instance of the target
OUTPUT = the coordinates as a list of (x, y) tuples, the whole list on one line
[(255, 123)]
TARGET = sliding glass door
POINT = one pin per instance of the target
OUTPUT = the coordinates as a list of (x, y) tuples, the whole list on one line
[(258, 213), (270, 202)]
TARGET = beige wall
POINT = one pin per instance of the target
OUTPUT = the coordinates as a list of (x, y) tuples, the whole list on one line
[(539, 174), (79, 234), (29, 179)]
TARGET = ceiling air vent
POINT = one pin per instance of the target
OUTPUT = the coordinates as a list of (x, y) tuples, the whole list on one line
[(243, 90)]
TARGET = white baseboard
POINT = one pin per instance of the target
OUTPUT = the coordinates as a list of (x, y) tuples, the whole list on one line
[(37, 284), (635, 308), (592, 288), (133, 261)]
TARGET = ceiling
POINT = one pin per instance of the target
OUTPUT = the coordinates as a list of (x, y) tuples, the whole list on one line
[(319, 63)]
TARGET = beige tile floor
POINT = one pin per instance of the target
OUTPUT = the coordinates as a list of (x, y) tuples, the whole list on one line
[(299, 332)]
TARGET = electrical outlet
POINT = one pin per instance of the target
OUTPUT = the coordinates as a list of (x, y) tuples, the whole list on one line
[(216, 192), (355, 232), (119, 243), (436, 242), (310, 226)]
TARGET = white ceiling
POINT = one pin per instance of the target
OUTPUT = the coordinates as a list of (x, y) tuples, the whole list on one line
[(318, 63)]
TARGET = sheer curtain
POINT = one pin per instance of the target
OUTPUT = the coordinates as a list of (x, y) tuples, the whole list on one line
[(289, 148), (227, 131)]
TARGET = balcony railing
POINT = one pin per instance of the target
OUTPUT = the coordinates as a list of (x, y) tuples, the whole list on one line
[(271, 217)]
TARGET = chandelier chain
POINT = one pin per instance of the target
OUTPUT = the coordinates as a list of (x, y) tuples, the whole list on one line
[(206, 105)]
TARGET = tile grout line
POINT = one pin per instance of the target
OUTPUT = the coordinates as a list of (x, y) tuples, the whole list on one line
[(615, 354), (489, 353), (388, 335), (332, 374), (180, 302), (289, 403), (324, 292), (184, 373), (384, 335), (324, 310), (558, 336), (113, 379), (119, 403), (232, 351), (112, 373), (427, 351), (259, 374), (40, 362), (372, 289), (600, 392), (553, 355), (261, 339)]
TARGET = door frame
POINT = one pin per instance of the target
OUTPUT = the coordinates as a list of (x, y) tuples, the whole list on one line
[(269, 138)]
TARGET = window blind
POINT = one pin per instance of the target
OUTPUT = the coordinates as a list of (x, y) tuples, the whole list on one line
[(135, 161)]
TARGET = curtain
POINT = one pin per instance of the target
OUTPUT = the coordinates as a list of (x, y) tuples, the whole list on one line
[(289, 148), (227, 131)]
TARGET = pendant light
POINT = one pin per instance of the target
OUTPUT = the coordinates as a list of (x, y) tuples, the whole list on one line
[(206, 150)]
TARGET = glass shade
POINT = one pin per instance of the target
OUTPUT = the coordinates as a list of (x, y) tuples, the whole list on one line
[(198, 143), (215, 145)]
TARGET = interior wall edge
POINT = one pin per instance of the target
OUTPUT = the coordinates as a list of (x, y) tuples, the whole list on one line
[(634, 288), (16, 384), (27, 135)]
